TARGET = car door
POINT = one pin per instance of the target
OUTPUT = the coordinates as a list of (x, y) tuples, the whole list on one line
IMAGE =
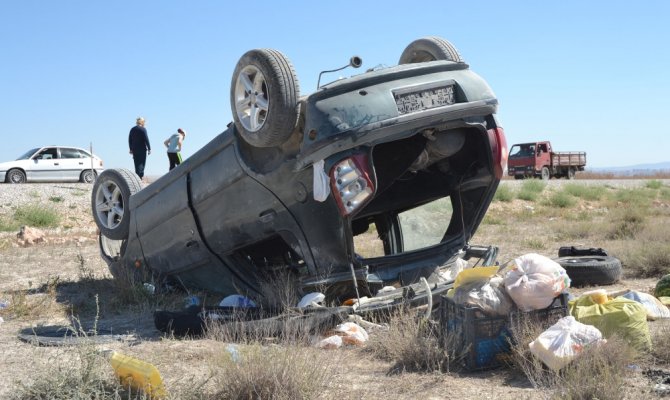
[(44, 166), (72, 162)]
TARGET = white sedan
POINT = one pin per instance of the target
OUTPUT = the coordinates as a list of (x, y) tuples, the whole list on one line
[(52, 164)]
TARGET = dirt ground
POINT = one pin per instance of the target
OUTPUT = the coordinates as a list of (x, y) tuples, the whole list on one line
[(67, 272)]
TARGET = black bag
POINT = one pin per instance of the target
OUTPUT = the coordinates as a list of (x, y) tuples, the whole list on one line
[(572, 251)]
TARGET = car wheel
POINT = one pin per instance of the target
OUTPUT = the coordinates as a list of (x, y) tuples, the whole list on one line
[(571, 173), (545, 174), (109, 201), (16, 176), (264, 97), (591, 270), (431, 48), (87, 176), (518, 177)]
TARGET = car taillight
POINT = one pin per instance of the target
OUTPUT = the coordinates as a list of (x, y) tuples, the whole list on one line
[(498, 150), (351, 183)]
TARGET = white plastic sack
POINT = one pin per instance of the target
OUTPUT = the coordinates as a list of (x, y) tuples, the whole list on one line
[(331, 342), (313, 299), (351, 333), (655, 309), (450, 273), (534, 281), (563, 342), (236, 300), (489, 295), (321, 187)]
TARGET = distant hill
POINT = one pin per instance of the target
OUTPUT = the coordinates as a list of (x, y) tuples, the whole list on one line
[(639, 169)]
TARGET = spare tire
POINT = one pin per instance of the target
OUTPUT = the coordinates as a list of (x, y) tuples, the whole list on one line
[(591, 270), (431, 48), (110, 199), (264, 97)]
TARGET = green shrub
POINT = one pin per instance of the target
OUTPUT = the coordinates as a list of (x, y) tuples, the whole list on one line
[(56, 199), (561, 200), (533, 185), (634, 197), (504, 193), (36, 216), (7, 225), (585, 192), (527, 195), (653, 184)]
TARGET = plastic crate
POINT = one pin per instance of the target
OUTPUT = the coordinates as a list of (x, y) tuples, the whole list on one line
[(484, 340)]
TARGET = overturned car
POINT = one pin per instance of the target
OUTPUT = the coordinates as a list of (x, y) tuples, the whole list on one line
[(371, 182)]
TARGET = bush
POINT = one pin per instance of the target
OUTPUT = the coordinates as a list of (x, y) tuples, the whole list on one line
[(561, 200), (411, 343), (504, 193), (653, 184), (584, 191), (627, 225), (535, 186), (277, 372), (36, 216)]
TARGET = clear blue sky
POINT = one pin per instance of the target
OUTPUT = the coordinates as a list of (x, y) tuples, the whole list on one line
[(587, 75)]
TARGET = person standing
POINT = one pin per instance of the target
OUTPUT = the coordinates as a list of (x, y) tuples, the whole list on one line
[(173, 144), (138, 142)]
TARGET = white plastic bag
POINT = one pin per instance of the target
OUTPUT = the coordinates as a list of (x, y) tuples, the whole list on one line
[(450, 273), (489, 295), (331, 342), (534, 281), (237, 300), (313, 299), (563, 342), (351, 333), (321, 187), (655, 309)]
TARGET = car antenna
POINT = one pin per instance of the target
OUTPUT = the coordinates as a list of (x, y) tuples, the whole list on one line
[(354, 61)]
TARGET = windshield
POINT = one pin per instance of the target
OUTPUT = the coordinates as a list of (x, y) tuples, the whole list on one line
[(28, 154), (522, 150)]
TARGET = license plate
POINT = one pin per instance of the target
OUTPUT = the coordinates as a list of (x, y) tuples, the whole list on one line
[(415, 99)]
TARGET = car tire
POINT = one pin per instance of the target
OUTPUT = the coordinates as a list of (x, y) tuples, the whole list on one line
[(15, 176), (87, 176), (571, 173), (545, 175), (518, 177), (591, 270), (431, 48), (110, 200), (264, 97)]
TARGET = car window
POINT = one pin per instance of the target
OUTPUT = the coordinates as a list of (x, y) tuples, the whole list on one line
[(66, 152), (425, 226), (50, 153), (421, 227), (28, 154)]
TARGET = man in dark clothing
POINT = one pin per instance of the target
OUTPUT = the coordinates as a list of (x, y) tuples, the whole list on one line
[(138, 141)]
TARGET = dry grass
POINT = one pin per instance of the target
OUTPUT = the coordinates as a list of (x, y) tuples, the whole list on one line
[(411, 344)]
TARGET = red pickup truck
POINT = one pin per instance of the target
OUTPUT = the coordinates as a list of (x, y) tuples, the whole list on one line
[(537, 159)]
